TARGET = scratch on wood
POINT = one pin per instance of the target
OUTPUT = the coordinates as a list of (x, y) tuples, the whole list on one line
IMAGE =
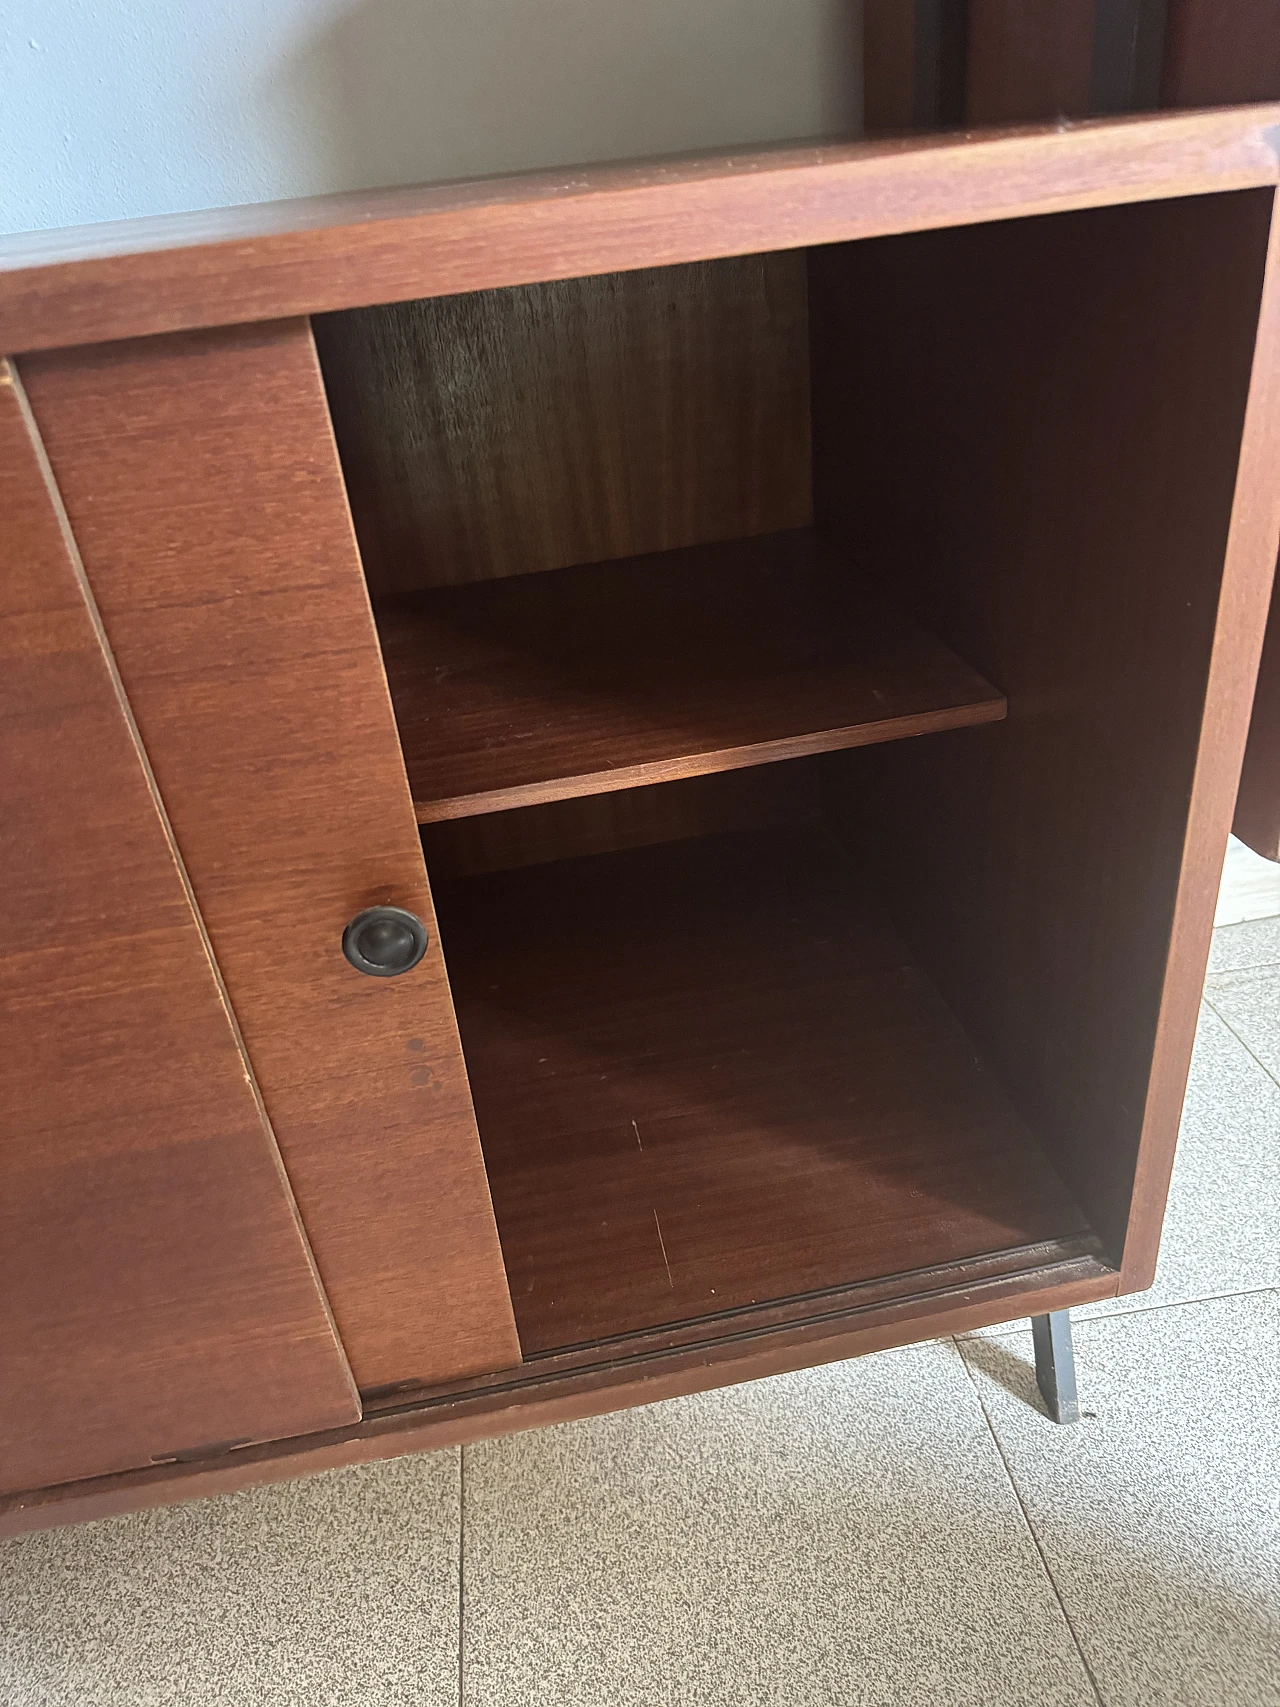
[(662, 1242), (636, 1130)]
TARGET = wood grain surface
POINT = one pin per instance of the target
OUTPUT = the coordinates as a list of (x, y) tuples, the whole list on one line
[(1216, 53), (156, 1291), (608, 676), (200, 476), (275, 260), (505, 431), (785, 795), (709, 1075), (1247, 576), (1035, 61), (1059, 509)]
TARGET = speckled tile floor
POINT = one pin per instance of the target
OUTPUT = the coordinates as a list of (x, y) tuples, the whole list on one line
[(909, 1528)]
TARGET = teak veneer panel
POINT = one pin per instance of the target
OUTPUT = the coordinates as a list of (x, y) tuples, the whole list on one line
[(507, 431), (709, 1075), (346, 251), (1217, 53), (608, 676), (157, 1296), (1091, 519), (200, 477)]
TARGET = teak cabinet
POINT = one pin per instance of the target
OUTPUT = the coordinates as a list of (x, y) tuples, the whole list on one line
[(780, 628)]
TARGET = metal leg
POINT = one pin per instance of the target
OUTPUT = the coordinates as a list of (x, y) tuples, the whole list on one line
[(1056, 1365)]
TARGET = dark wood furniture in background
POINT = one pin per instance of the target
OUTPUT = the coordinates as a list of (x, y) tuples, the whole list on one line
[(939, 64), (805, 605)]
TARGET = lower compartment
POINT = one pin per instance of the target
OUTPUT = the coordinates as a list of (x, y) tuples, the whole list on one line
[(708, 1074)]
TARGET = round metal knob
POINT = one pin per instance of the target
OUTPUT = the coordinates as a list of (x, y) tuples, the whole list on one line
[(385, 941)]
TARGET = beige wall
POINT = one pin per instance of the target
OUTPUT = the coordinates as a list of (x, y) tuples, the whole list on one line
[(115, 109)]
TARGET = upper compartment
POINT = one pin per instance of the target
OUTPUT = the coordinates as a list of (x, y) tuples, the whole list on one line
[(585, 510)]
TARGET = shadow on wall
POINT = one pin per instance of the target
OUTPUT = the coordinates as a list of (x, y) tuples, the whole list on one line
[(401, 91)]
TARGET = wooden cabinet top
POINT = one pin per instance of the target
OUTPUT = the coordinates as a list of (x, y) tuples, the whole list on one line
[(138, 277)]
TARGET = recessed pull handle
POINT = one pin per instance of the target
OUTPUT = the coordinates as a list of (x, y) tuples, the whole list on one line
[(385, 941)]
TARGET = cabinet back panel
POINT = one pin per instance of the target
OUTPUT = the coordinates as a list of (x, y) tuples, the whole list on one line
[(1031, 431), (200, 477), (156, 1292), (505, 431), (773, 795)]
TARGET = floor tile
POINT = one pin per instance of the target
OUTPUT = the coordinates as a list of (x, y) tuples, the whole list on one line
[(341, 1590), (1250, 1004), (1240, 946), (1220, 1232), (1159, 1514), (845, 1535), (1250, 887)]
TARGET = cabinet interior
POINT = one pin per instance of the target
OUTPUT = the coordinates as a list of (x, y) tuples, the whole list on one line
[(803, 800)]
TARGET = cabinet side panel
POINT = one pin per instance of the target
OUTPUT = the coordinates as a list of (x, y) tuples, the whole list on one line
[(201, 479), (156, 1291), (1026, 63), (1218, 54), (1031, 430)]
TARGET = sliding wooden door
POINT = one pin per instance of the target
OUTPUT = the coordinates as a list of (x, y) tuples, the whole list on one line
[(202, 482), (157, 1295)]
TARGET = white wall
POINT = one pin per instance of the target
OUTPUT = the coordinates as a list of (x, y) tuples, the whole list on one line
[(110, 108)]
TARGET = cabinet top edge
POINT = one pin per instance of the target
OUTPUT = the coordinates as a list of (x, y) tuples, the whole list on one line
[(267, 261)]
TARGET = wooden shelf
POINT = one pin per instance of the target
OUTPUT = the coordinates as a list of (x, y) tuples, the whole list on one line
[(608, 676), (709, 1075)]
